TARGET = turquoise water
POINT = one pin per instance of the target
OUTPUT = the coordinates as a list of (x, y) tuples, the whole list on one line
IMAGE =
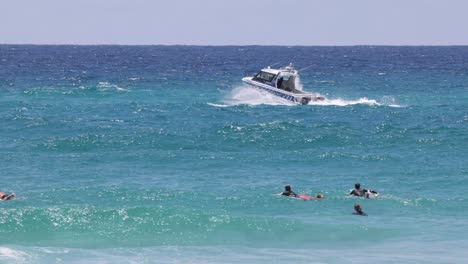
[(159, 154)]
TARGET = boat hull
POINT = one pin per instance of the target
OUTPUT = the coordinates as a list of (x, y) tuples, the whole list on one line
[(302, 98)]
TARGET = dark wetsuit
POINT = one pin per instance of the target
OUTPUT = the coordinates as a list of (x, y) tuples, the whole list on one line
[(358, 192), (360, 212), (289, 193), (362, 192)]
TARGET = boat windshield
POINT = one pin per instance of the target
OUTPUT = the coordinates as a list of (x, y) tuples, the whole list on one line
[(264, 76)]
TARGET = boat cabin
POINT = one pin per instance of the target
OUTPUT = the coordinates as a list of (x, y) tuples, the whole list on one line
[(283, 78)]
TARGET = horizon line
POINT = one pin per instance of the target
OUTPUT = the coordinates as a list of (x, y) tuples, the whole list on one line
[(241, 45)]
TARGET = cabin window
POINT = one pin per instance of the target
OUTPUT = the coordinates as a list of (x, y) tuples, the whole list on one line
[(264, 76), (286, 82)]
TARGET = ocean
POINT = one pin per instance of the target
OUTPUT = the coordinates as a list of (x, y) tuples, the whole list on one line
[(159, 154)]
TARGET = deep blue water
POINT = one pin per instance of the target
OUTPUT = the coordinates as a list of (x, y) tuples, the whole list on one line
[(159, 154)]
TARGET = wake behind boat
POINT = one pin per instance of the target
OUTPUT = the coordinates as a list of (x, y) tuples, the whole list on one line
[(281, 82)]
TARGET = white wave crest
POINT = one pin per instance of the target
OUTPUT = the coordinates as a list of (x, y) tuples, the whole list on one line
[(11, 255), (103, 86)]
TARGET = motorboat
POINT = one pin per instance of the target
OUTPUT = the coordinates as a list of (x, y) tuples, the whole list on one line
[(282, 82)]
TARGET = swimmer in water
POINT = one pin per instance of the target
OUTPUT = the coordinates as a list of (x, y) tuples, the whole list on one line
[(363, 192), (318, 196), (6, 197), (358, 210), (288, 191)]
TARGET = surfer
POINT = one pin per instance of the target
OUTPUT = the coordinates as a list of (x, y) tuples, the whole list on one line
[(6, 197), (358, 210), (363, 192), (288, 191)]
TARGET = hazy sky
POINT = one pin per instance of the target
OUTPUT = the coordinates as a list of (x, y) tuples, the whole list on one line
[(235, 22)]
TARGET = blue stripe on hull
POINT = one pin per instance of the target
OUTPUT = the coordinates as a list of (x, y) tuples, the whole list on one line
[(285, 96)]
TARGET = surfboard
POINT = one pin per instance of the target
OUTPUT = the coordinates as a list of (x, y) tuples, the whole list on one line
[(304, 197)]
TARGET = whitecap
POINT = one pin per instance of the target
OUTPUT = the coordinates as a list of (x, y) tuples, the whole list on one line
[(104, 86), (218, 105), (12, 255)]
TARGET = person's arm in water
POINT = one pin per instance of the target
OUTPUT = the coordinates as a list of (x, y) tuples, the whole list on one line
[(289, 193), (6, 197), (372, 191)]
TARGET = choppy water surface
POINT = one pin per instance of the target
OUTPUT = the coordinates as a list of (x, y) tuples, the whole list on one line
[(159, 154)]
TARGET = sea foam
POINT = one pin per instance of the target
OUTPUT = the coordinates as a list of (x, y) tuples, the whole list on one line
[(244, 95)]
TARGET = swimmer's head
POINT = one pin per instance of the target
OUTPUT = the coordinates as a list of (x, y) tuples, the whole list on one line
[(319, 196), (357, 207), (287, 187), (357, 185)]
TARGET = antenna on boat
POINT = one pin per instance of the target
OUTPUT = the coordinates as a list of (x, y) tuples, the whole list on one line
[(305, 68), (273, 64)]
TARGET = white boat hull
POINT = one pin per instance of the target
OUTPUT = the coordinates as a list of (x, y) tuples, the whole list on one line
[(299, 97)]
